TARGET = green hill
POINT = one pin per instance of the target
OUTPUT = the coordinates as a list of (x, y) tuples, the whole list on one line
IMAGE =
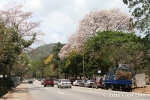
[(41, 51)]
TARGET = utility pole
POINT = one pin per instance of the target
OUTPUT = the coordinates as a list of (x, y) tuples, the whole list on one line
[(83, 66)]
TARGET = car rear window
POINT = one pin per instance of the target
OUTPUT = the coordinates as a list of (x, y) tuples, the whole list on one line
[(65, 80), (48, 79)]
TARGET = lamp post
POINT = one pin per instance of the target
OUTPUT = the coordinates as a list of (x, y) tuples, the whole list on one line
[(59, 70), (83, 65)]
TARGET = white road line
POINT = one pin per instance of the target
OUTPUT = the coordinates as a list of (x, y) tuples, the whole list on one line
[(91, 91), (60, 92)]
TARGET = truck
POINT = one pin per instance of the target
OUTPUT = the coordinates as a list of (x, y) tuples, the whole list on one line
[(119, 78)]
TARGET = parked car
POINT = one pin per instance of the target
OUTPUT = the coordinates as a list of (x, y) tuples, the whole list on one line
[(30, 81), (39, 79), (89, 83), (48, 81), (81, 84), (42, 81), (98, 83), (72, 80), (64, 83), (76, 82), (55, 81)]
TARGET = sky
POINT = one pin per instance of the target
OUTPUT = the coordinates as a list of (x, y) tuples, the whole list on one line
[(60, 18)]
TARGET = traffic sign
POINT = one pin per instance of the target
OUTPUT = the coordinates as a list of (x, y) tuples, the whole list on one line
[(99, 71)]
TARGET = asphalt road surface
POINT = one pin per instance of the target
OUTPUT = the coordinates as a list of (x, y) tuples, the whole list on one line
[(39, 92)]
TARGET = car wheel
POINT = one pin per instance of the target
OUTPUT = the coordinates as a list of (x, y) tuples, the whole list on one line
[(44, 85), (112, 87), (52, 85), (96, 87), (93, 86), (57, 86)]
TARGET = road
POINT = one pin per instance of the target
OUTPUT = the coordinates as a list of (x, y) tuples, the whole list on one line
[(39, 92)]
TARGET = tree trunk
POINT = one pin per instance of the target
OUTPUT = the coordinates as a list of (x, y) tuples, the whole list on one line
[(149, 75), (4, 76)]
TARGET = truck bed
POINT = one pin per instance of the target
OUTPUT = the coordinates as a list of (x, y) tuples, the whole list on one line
[(121, 82)]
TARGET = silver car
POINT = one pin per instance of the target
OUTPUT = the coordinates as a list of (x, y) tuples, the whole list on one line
[(89, 83), (55, 81), (64, 83), (76, 82)]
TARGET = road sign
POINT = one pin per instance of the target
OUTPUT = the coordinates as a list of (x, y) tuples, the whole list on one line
[(99, 71)]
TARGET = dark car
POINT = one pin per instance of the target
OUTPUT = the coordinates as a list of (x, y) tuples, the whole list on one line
[(98, 83), (89, 83), (30, 81), (42, 81), (48, 81), (72, 80), (81, 84)]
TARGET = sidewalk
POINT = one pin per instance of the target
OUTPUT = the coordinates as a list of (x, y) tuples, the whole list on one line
[(19, 93)]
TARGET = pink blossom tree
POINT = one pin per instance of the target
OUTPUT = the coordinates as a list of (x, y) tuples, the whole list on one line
[(97, 21), (13, 17)]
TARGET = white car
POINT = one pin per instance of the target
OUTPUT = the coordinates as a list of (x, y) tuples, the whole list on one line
[(55, 81), (64, 83), (76, 82)]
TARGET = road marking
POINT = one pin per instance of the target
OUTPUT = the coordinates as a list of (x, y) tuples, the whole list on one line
[(60, 92), (90, 91)]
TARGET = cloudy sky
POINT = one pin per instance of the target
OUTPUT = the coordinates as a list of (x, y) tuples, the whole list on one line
[(61, 17)]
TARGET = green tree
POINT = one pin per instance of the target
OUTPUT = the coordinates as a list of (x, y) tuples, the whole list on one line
[(37, 66), (21, 66), (108, 49), (73, 64), (141, 14), (17, 33), (56, 60)]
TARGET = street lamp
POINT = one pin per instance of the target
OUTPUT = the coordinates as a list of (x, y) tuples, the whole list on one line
[(83, 65)]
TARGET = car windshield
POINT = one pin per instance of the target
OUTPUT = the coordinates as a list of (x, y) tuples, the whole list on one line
[(65, 80)]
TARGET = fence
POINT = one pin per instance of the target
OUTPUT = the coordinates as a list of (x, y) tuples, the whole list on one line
[(5, 86)]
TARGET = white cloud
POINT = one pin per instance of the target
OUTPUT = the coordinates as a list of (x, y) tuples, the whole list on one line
[(80, 2), (61, 17)]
